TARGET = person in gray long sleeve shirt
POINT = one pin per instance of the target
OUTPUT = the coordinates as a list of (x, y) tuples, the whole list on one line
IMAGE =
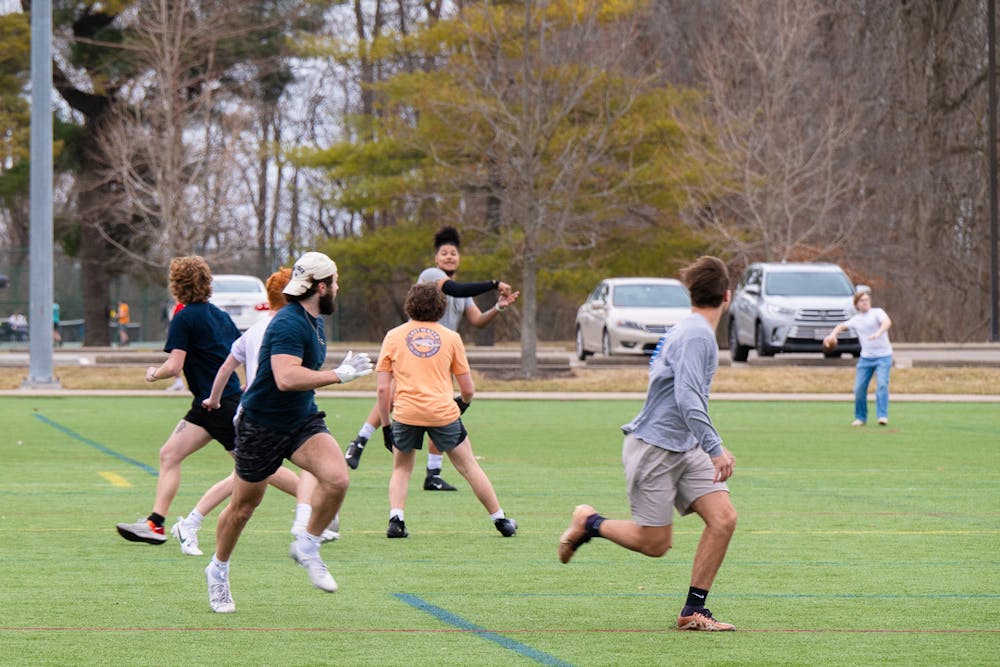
[(675, 414), (673, 455)]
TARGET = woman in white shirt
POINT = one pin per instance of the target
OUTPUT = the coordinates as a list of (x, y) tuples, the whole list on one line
[(872, 326)]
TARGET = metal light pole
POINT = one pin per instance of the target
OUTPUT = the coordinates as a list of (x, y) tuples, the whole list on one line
[(991, 49), (40, 254)]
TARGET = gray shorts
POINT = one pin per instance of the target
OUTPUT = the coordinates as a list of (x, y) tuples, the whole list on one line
[(659, 480), (445, 438)]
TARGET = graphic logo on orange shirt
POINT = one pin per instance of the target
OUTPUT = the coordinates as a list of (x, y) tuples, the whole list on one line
[(423, 342)]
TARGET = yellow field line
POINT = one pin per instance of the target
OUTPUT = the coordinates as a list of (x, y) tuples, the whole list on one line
[(116, 480)]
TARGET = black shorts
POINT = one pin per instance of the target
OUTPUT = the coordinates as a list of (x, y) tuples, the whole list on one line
[(218, 423), (260, 450)]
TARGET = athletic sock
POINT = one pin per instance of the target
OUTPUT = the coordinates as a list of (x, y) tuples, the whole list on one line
[(302, 513), (366, 432), (156, 519), (194, 519), (222, 567), (695, 600), (593, 525), (396, 514), (498, 515), (434, 461)]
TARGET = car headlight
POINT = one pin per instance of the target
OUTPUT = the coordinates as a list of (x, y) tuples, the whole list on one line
[(629, 324), (783, 311)]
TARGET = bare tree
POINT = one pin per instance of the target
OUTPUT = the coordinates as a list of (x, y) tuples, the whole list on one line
[(783, 174)]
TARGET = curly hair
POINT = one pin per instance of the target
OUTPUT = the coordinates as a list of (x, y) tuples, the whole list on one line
[(425, 303), (275, 298), (447, 236), (190, 279)]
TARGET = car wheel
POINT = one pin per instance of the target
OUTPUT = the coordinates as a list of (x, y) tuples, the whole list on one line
[(763, 349), (581, 353), (606, 344), (737, 352)]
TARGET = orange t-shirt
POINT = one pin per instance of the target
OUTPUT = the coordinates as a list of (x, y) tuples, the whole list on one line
[(423, 357), (123, 314)]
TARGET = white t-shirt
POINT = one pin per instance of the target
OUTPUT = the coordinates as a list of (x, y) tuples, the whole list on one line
[(866, 324), (246, 348)]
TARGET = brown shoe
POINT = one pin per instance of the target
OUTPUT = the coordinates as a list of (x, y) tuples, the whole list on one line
[(576, 534), (701, 619)]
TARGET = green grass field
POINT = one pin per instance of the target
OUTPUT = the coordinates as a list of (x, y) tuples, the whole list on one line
[(855, 546)]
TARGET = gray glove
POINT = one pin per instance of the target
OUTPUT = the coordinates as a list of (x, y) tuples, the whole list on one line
[(354, 366)]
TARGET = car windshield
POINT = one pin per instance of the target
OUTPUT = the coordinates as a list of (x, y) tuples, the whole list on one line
[(807, 283), (651, 295), (240, 286)]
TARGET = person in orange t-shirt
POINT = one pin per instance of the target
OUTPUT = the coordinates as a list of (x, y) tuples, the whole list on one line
[(415, 369), (124, 319)]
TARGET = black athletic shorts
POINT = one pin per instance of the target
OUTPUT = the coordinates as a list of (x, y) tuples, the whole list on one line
[(260, 450), (218, 423)]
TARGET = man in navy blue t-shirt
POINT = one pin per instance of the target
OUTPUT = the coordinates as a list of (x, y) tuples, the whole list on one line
[(198, 341), (280, 421)]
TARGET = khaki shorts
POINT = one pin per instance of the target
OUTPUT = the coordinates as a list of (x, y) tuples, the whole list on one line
[(659, 480)]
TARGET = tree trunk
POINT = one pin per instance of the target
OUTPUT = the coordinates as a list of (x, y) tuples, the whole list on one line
[(529, 316), (96, 282)]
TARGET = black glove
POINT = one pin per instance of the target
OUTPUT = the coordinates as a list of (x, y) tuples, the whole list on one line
[(462, 405), (387, 438)]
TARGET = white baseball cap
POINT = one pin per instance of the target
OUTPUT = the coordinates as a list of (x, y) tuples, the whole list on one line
[(309, 268)]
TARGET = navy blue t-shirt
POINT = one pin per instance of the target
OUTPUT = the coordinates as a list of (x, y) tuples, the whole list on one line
[(295, 332), (206, 334)]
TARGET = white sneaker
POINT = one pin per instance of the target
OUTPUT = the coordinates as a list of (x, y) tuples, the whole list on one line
[(219, 597), (857, 422), (315, 567), (186, 537), (883, 421)]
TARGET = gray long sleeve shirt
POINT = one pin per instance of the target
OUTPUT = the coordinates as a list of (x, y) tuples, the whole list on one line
[(675, 414)]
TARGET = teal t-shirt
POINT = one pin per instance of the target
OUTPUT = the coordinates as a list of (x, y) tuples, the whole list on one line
[(295, 332)]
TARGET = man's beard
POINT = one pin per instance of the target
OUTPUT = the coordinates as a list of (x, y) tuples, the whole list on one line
[(326, 304)]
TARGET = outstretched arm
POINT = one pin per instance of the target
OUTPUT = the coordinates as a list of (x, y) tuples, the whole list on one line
[(228, 367)]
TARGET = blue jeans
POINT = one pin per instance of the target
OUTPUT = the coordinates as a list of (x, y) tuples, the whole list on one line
[(879, 366)]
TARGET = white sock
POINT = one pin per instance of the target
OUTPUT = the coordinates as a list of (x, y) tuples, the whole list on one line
[(194, 519), (367, 431), (396, 514), (302, 513), (434, 461), (221, 566), (498, 515), (309, 544)]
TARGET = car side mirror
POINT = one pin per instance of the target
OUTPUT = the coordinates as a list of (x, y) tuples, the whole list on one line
[(752, 289)]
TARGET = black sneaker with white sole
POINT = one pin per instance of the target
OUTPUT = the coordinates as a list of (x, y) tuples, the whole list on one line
[(433, 481), (354, 452), (506, 526), (397, 528)]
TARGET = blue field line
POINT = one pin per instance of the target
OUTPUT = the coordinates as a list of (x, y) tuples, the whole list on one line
[(451, 619), (96, 445)]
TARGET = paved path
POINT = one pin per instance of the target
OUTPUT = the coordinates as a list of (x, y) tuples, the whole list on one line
[(538, 395)]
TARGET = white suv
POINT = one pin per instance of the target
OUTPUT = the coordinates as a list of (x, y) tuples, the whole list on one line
[(790, 307)]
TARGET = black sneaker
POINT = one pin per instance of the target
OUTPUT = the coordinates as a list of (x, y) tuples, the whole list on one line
[(397, 528), (506, 526), (433, 481), (354, 452)]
